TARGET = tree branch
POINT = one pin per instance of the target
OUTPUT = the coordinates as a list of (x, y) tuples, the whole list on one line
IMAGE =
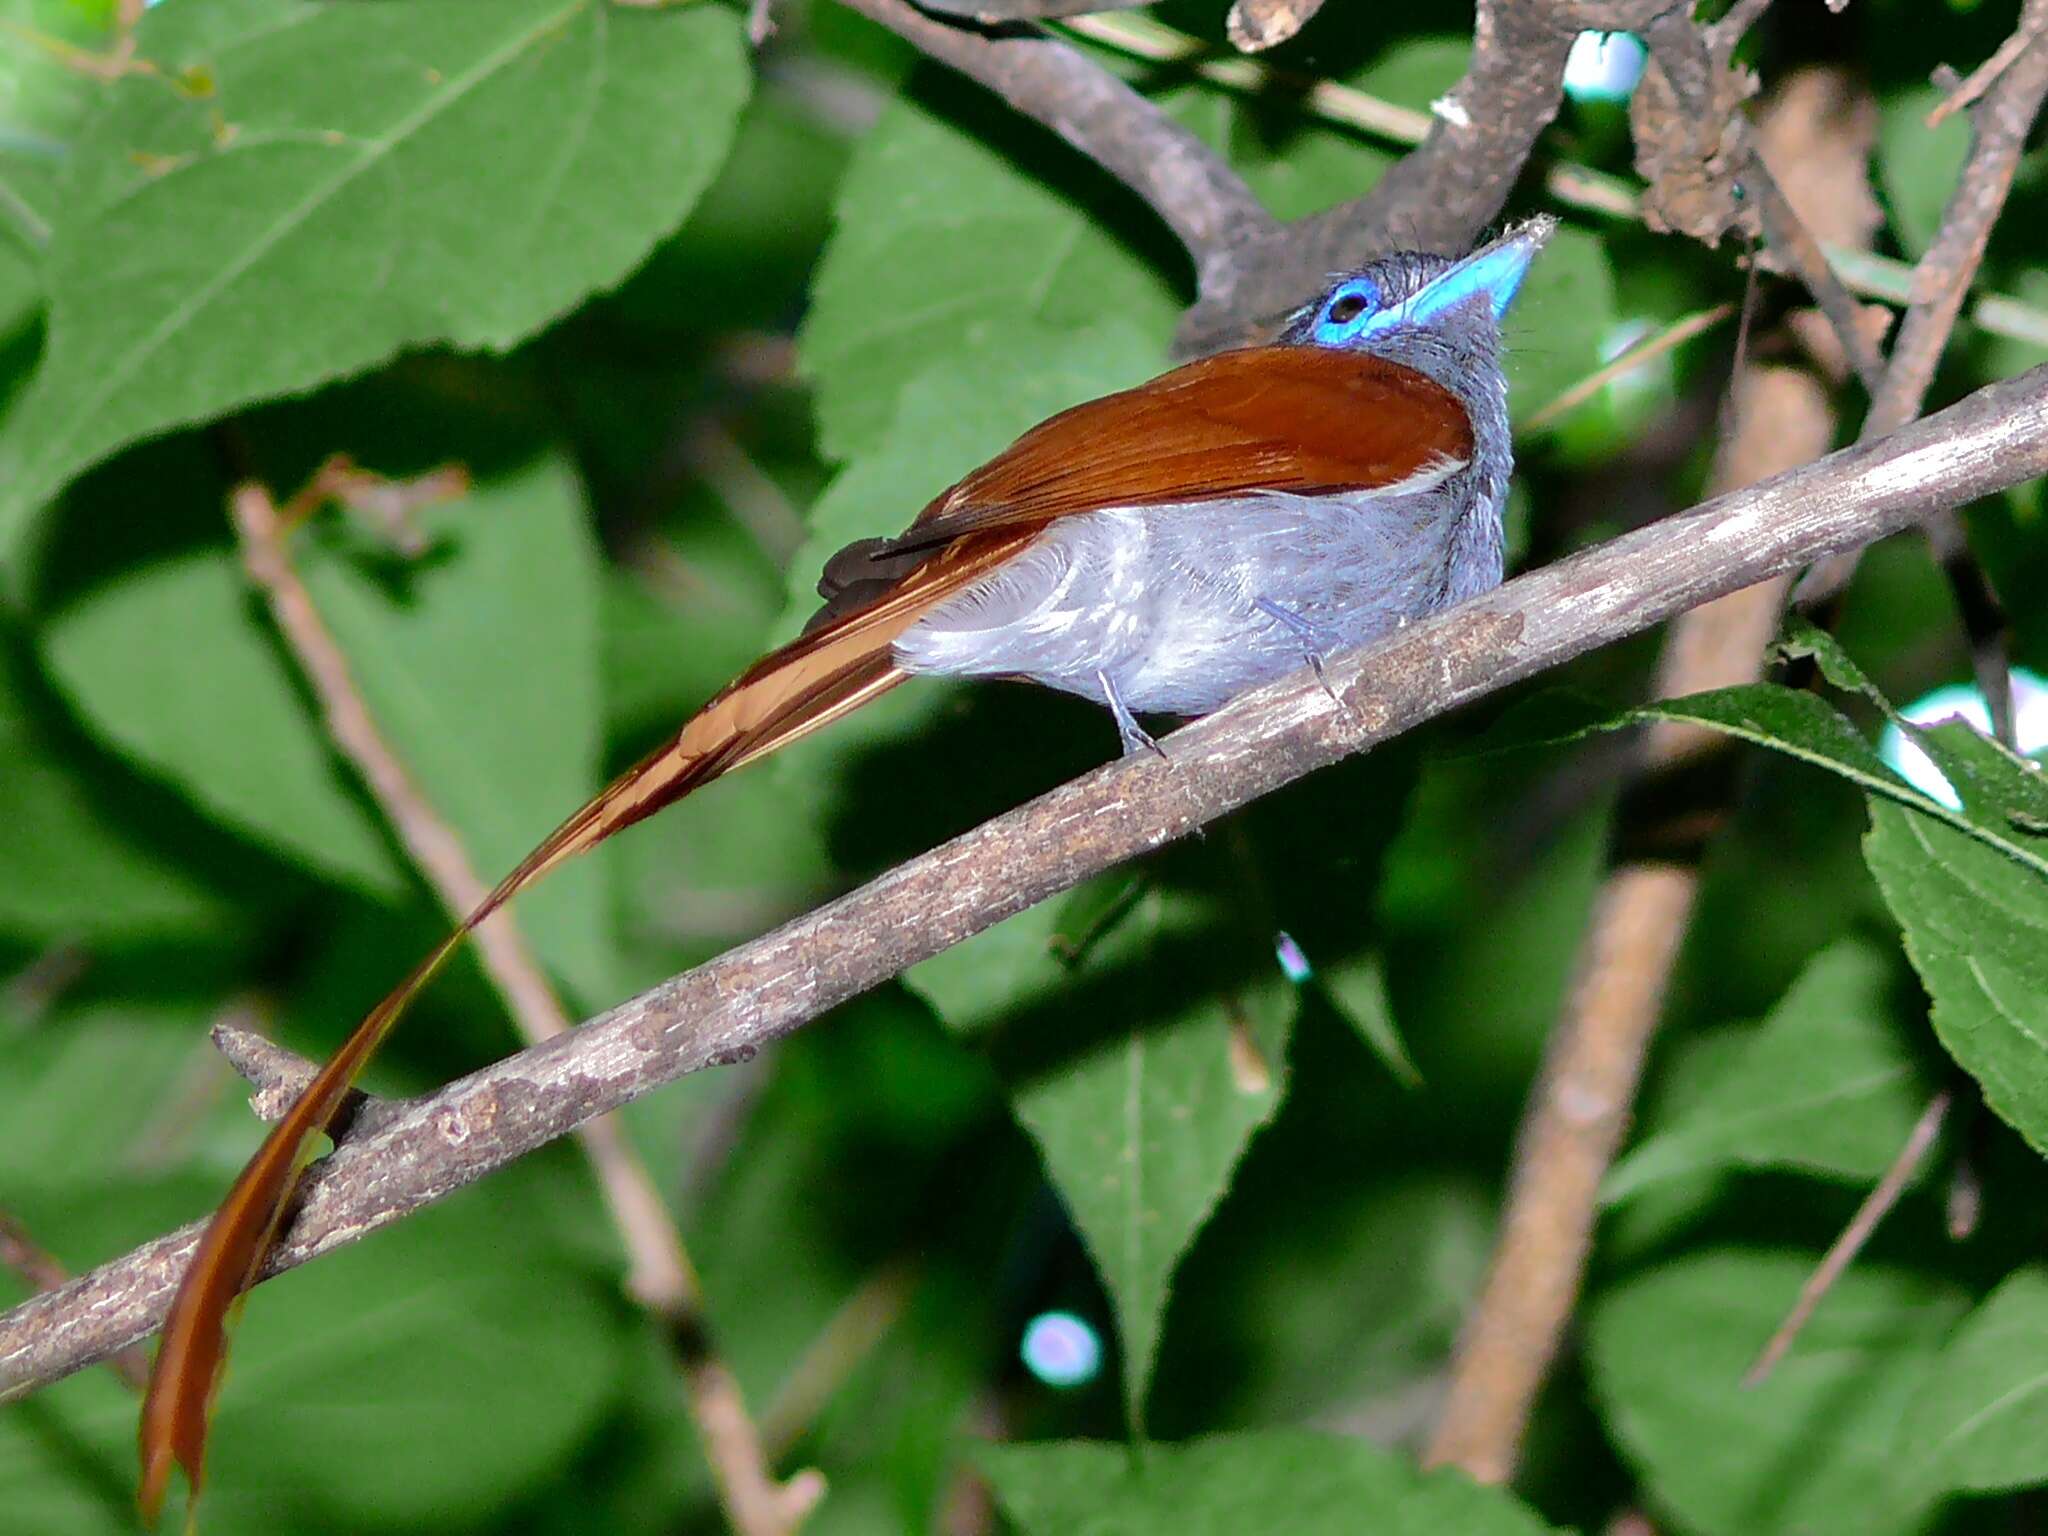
[(727, 1009), (1249, 268)]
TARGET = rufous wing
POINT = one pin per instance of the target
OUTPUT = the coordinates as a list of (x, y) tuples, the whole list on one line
[(1303, 419)]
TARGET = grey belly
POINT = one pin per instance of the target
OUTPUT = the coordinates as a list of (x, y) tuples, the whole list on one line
[(1165, 602)]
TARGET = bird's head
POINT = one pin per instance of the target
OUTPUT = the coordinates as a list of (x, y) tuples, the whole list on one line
[(1436, 313)]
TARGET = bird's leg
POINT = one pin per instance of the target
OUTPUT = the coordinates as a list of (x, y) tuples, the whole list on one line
[(1134, 736), (1315, 640)]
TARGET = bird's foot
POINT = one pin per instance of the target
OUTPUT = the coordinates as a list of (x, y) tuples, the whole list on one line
[(1316, 642), (1134, 737)]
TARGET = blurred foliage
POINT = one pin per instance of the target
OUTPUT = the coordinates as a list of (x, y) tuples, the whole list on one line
[(692, 320)]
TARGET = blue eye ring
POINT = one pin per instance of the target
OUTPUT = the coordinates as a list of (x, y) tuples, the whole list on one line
[(1346, 311)]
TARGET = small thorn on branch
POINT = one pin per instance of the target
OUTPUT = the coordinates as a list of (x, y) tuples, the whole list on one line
[(279, 1076)]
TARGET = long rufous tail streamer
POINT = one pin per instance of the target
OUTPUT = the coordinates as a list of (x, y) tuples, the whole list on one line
[(809, 683)]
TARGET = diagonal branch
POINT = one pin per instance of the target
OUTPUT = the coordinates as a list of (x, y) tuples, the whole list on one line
[(726, 1010)]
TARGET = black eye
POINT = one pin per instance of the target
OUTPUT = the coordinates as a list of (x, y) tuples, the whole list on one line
[(1347, 308)]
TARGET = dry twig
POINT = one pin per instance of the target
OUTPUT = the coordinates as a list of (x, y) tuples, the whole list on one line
[(1674, 335), (1985, 75), (1842, 1253), (727, 1009)]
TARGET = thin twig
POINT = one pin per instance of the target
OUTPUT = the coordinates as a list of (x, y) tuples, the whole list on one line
[(1791, 241), (748, 491), (848, 1338), (1985, 75), (728, 1008), (659, 1275), (1674, 335), (1876, 1205), (34, 989), (1205, 203)]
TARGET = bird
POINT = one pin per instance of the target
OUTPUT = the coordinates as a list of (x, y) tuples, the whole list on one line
[(1158, 551)]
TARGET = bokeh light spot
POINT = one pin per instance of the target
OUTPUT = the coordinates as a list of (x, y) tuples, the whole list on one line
[(1061, 1350), (2030, 729), (1604, 66)]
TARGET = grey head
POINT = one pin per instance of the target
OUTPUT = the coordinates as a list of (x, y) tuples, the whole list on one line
[(1441, 316)]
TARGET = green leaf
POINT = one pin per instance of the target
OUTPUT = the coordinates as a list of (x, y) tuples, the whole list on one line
[(343, 181), (1998, 787), (481, 672), (1813, 1450), (1804, 726), (1976, 930), (1982, 1422), (947, 247), (172, 666), (42, 1486), (83, 1092), (43, 97), (1825, 1084), (1355, 1324), (1139, 1063), (1228, 1484), (1357, 989), (66, 868), (1969, 887), (2000, 790)]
